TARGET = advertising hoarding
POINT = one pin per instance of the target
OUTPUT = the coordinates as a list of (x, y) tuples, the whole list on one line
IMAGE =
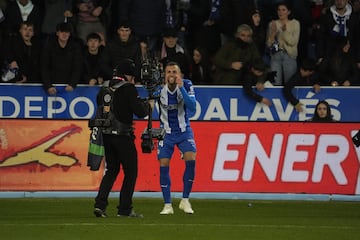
[(268, 157)]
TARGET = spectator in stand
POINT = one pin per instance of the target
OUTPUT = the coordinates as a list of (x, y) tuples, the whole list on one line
[(259, 32), (339, 69), (204, 29), (338, 21), (322, 112), (61, 60), (177, 17), (123, 46), (326, 6), (234, 13), (91, 17), (282, 40), (146, 18), (301, 11), (23, 54), (55, 11), (19, 11), (200, 67), (268, 9), (257, 77), (92, 73), (234, 58), (171, 51), (356, 6), (317, 7), (303, 77)]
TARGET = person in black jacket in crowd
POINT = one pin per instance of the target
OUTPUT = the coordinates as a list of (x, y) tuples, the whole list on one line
[(92, 74), (146, 18), (14, 16), (23, 54), (54, 12), (259, 31), (123, 46), (61, 60), (339, 68), (338, 21), (303, 77), (256, 77), (171, 51), (118, 103)]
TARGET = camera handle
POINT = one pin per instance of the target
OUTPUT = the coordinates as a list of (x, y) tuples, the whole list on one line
[(147, 144), (149, 126)]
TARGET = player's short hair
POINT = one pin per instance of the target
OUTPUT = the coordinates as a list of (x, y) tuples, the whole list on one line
[(172, 63)]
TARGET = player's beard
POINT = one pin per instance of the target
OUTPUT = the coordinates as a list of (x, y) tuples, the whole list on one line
[(172, 79)]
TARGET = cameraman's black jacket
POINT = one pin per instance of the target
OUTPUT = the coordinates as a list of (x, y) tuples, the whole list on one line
[(125, 103)]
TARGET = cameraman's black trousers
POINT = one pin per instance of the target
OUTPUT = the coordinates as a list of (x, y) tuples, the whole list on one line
[(119, 150)]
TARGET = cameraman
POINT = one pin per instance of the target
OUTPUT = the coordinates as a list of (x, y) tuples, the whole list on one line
[(118, 102), (177, 100)]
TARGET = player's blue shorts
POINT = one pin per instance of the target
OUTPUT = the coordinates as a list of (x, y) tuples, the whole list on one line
[(183, 140)]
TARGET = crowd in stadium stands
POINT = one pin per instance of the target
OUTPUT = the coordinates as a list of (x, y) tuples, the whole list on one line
[(235, 42)]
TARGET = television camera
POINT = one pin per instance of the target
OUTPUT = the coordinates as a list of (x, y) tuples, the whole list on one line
[(152, 77)]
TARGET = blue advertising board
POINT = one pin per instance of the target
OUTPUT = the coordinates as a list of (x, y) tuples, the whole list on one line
[(224, 103)]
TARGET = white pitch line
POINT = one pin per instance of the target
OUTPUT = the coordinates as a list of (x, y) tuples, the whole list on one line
[(182, 224)]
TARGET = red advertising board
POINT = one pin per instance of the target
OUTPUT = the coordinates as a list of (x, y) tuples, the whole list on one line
[(269, 157)]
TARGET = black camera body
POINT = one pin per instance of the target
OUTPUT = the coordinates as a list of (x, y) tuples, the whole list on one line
[(152, 76), (147, 144)]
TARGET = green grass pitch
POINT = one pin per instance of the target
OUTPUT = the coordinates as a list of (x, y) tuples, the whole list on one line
[(72, 218)]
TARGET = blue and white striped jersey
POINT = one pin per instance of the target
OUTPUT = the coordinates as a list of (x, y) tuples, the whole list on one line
[(176, 106)]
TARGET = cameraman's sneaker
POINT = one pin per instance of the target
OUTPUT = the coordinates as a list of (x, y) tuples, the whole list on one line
[(100, 213), (168, 209), (186, 206)]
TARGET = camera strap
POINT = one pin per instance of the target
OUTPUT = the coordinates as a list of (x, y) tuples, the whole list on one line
[(116, 127)]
